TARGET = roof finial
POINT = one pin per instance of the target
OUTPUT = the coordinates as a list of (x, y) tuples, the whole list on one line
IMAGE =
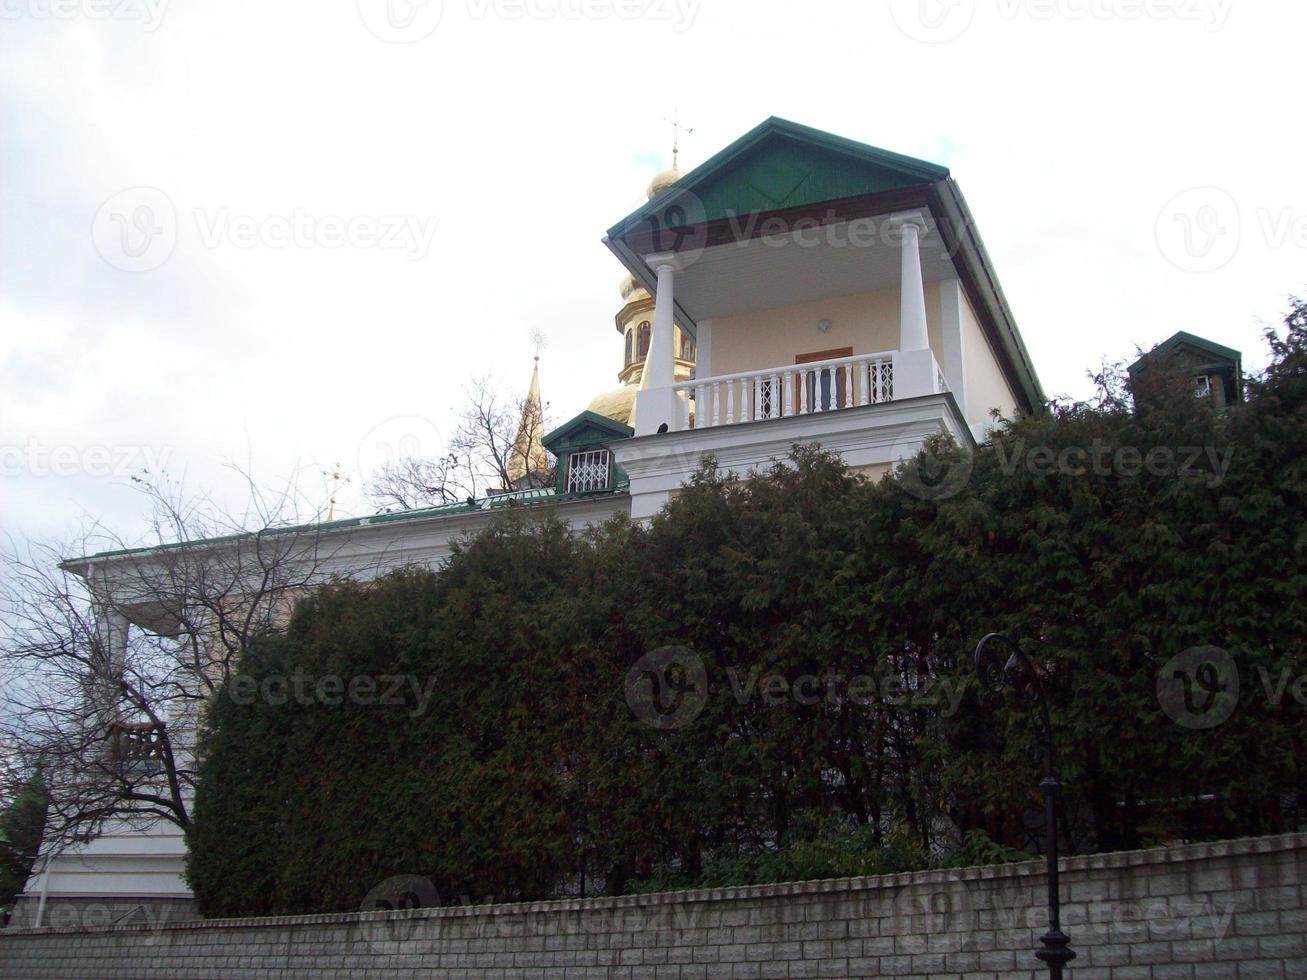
[(538, 339), (336, 477), (676, 137)]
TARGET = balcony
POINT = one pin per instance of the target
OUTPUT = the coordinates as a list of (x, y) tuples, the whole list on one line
[(872, 410), (785, 392), (814, 388)]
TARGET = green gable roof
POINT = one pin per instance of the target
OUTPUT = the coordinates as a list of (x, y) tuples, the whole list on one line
[(781, 164), (1199, 345), (587, 429)]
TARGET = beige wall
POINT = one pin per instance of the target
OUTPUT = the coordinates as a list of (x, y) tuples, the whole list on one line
[(866, 322), (986, 387), (874, 472)]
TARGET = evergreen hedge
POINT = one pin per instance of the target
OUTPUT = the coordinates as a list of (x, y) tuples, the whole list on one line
[(518, 767), (22, 822)]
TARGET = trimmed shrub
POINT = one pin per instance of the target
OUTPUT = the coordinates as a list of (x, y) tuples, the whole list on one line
[(774, 676)]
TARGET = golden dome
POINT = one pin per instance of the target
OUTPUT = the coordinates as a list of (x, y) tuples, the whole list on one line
[(663, 181), (630, 286), (617, 404)]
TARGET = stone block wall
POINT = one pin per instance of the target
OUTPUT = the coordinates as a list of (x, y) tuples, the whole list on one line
[(1232, 909)]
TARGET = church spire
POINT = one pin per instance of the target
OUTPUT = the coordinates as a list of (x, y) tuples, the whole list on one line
[(528, 463)]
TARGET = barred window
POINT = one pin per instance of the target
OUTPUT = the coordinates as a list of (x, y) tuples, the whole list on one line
[(588, 471), (135, 745)]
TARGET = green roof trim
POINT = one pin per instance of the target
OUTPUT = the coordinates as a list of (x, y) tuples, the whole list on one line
[(986, 292), (781, 164), (1217, 352), (502, 501)]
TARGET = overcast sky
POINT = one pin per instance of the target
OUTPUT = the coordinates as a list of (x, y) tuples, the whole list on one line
[(288, 232)]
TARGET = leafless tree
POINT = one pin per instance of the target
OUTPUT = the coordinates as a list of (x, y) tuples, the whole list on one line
[(108, 651), (495, 448)]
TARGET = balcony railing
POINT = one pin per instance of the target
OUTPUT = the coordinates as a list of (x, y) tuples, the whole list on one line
[(784, 392)]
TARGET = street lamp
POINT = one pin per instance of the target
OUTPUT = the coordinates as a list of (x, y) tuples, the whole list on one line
[(1018, 673)]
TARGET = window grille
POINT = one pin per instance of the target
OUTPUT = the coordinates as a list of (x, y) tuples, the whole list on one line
[(588, 471)]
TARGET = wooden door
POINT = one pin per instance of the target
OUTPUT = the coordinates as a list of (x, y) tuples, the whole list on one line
[(821, 395)]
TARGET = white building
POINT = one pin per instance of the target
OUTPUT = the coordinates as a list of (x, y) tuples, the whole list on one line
[(796, 288)]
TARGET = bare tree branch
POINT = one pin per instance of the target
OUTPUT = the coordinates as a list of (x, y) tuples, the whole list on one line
[(496, 447), (109, 651)]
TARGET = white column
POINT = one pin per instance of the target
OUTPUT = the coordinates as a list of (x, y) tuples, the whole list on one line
[(111, 627), (703, 344), (955, 348), (655, 403), (703, 369), (662, 347), (111, 632), (915, 373), (45, 891), (913, 334)]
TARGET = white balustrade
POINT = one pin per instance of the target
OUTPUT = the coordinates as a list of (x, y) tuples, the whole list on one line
[(783, 392)]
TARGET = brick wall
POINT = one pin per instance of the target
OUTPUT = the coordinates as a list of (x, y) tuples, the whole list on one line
[(1231, 909)]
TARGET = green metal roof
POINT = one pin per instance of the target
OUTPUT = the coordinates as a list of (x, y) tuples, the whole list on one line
[(781, 164), (503, 501)]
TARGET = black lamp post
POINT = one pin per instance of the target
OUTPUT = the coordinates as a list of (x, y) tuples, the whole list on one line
[(1019, 673)]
